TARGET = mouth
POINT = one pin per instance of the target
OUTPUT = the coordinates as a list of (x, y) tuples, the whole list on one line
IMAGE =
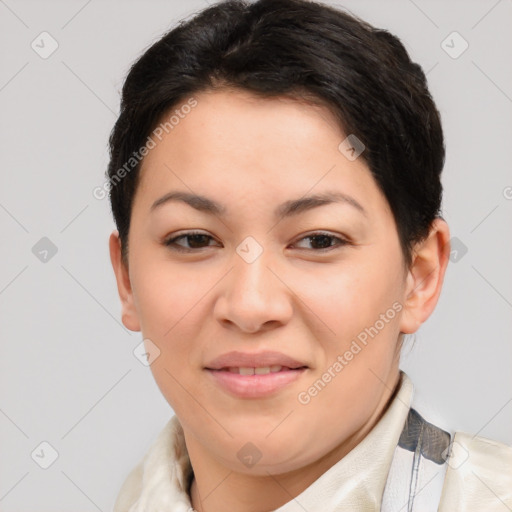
[(254, 374), (255, 382)]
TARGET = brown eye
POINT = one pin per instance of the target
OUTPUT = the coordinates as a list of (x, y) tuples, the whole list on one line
[(323, 241), (193, 239)]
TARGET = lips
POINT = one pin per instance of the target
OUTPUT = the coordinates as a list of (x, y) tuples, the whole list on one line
[(254, 385), (248, 363)]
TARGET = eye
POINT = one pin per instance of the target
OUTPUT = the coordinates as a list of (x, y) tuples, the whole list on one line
[(196, 240), (323, 241)]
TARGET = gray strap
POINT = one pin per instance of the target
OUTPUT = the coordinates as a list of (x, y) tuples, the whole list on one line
[(417, 472)]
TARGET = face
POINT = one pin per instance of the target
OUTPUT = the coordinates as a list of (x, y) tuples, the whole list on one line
[(321, 282)]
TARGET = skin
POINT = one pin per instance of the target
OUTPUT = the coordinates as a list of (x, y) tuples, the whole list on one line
[(251, 155)]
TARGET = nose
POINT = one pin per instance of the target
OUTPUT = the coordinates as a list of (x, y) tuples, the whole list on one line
[(254, 297)]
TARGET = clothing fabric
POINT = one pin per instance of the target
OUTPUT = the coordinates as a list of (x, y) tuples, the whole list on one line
[(404, 464)]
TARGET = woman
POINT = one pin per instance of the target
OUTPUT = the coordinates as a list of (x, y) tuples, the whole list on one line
[(275, 181)]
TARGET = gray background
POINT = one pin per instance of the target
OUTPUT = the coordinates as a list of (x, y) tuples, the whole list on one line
[(68, 373)]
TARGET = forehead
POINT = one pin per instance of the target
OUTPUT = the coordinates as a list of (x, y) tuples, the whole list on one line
[(233, 144)]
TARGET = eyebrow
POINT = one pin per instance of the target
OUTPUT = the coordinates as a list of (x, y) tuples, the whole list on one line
[(287, 209)]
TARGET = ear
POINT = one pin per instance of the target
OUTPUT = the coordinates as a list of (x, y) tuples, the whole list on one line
[(425, 277), (129, 312)]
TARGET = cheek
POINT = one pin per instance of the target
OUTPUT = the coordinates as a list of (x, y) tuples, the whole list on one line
[(357, 304), (356, 326), (167, 296), (170, 308), (346, 298)]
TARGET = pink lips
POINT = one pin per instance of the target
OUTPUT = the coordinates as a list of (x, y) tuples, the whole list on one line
[(254, 386), (257, 385)]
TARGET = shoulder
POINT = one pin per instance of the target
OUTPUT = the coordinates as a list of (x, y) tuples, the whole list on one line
[(478, 476), (130, 490), (152, 466), (435, 470)]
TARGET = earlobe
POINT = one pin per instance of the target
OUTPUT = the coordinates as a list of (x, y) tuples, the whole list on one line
[(425, 277), (129, 315)]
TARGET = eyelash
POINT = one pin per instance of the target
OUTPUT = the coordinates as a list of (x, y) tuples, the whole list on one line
[(171, 243)]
